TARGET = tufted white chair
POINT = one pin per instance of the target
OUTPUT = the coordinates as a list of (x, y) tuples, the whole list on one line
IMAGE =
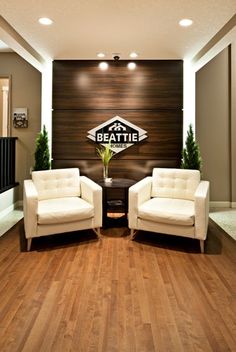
[(171, 201), (57, 201)]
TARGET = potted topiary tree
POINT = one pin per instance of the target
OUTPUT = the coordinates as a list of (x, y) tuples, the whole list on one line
[(42, 155), (191, 158)]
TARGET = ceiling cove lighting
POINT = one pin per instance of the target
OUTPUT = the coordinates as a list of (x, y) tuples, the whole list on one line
[(133, 55), (131, 65), (3, 45), (103, 66), (100, 55), (45, 21), (185, 22)]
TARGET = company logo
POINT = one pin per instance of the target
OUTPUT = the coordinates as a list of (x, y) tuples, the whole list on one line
[(119, 132)]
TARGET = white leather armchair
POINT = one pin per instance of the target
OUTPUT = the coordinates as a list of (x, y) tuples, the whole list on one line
[(171, 201), (57, 201)]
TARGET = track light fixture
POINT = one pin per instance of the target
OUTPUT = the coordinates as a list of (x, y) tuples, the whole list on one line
[(116, 57)]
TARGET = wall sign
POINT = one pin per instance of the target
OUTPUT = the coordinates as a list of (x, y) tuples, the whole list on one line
[(121, 133), (20, 118)]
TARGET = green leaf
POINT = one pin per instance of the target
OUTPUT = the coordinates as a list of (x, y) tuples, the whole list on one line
[(42, 155), (105, 153), (191, 158)]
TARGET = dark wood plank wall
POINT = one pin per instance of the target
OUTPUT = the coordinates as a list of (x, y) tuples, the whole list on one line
[(151, 97)]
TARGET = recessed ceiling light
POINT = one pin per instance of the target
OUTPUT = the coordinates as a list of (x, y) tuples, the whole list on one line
[(131, 65), (100, 55), (45, 21), (186, 22), (133, 55), (103, 66)]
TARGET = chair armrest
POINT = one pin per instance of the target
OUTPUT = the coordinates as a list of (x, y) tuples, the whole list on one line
[(30, 206), (201, 204), (138, 194), (92, 193)]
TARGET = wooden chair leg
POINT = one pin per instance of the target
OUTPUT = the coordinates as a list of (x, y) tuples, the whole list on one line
[(29, 241), (202, 245), (132, 234), (98, 232)]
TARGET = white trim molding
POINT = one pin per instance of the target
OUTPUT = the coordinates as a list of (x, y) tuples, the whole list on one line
[(10, 216), (6, 211), (9, 209), (8, 201), (189, 98)]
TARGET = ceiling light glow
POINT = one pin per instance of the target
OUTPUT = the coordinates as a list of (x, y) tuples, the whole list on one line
[(131, 65), (133, 55), (185, 22), (103, 66), (100, 55), (45, 21)]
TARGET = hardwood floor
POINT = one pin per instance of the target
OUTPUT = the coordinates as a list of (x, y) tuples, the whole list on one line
[(157, 293)]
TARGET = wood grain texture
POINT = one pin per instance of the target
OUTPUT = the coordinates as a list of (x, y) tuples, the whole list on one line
[(154, 84), (150, 97), (134, 169), (70, 130), (157, 293)]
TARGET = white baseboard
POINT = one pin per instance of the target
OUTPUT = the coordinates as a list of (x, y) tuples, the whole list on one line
[(223, 204), (6, 211), (220, 204), (9, 209)]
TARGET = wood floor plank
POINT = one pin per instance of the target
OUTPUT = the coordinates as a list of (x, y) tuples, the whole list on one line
[(156, 293)]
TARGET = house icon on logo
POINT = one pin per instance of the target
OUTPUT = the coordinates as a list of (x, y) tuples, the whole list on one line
[(117, 126)]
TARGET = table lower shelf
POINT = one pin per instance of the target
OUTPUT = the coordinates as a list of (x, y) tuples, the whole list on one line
[(115, 206), (112, 221)]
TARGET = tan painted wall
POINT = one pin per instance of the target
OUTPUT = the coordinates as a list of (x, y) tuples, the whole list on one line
[(213, 124), (233, 121), (25, 92), (3, 83)]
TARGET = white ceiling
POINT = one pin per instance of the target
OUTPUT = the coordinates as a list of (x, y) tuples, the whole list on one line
[(82, 28)]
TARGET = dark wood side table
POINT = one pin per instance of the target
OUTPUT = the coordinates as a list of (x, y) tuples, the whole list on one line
[(113, 204)]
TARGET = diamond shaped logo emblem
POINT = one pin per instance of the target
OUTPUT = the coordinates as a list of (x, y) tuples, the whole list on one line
[(121, 134)]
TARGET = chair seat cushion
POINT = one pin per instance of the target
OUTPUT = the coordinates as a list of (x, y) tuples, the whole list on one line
[(62, 210), (168, 211)]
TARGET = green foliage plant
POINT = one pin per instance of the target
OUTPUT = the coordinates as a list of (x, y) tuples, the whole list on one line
[(191, 158), (105, 153), (42, 155)]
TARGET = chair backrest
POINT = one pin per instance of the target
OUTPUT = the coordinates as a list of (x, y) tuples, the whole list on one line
[(58, 183), (174, 183)]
